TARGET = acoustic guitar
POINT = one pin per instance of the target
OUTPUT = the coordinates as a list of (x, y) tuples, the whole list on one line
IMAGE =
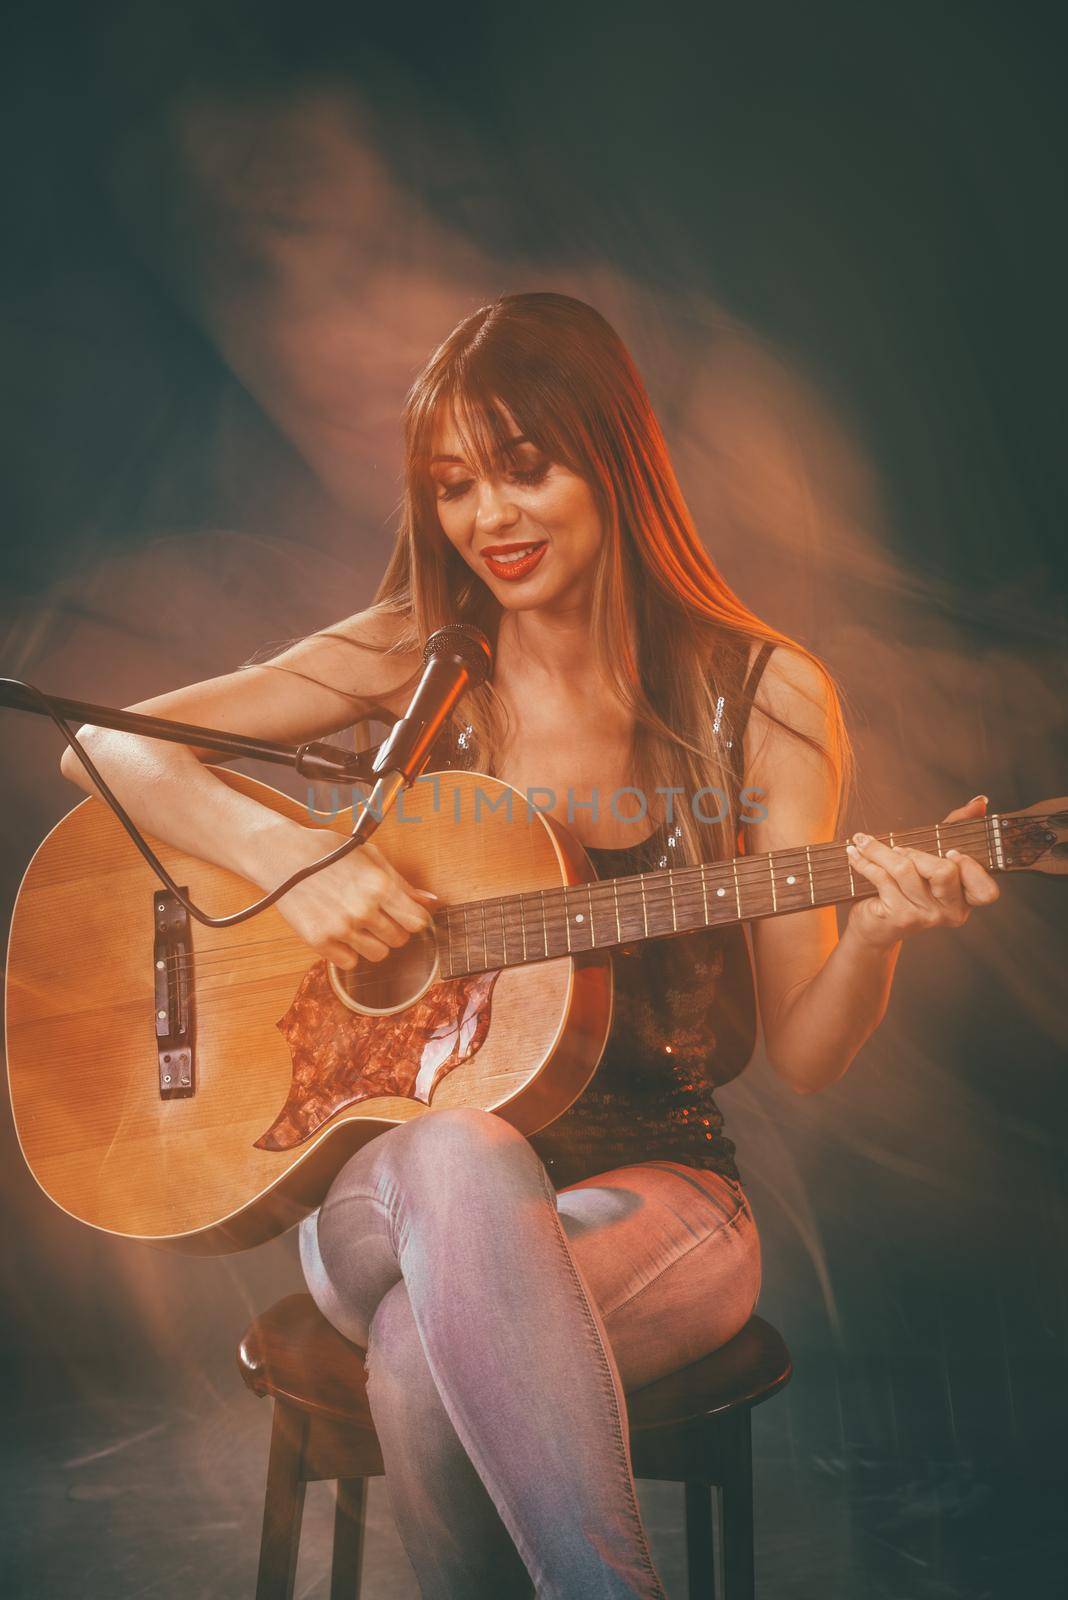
[(198, 1088)]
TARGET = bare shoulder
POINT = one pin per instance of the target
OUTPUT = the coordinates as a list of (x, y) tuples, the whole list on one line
[(364, 656), (793, 690), (792, 748)]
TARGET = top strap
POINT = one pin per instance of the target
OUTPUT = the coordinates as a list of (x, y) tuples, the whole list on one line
[(743, 707), (749, 689)]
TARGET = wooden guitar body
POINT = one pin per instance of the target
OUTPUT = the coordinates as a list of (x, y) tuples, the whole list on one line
[(198, 1088), (285, 1081)]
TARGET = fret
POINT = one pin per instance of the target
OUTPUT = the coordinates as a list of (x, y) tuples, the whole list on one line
[(771, 873), (579, 922), (849, 869), (710, 903), (993, 832), (688, 900), (550, 931), (645, 908), (570, 930), (793, 888), (938, 840), (467, 940), (670, 876), (544, 924), (630, 913), (890, 836), (590, 917), (615, 902), (560, 942), (485, 938), (523, 923), (504, 934), (601, 914), (737, 888), (447, 961)]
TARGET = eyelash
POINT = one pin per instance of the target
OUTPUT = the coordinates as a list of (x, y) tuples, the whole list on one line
[(453, 491)]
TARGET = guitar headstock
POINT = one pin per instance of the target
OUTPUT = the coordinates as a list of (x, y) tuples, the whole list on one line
[(1035, 840)]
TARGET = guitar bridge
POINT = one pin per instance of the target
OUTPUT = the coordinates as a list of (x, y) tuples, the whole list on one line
[(172, 961)]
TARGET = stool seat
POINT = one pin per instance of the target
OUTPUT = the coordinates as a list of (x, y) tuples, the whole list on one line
[(691, 1427), (293, 1353)]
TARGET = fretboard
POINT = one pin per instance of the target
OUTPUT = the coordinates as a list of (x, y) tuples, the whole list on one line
[(511, 930)]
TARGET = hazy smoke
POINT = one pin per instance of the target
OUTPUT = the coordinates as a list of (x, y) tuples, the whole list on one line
[(324, 283)]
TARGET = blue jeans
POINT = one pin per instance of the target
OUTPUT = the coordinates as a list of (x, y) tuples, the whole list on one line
[(503, 1323)]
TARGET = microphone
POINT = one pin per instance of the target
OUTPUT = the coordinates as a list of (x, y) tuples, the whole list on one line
[(458, 657)]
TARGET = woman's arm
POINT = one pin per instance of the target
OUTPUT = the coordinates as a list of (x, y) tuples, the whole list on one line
[(357, 905), (822, 997)]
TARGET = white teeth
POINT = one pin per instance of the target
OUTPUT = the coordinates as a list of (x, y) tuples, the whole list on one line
[(516, 555)]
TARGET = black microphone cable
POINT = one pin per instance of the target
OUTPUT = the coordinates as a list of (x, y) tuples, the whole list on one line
[(468, 647), (149, 854)]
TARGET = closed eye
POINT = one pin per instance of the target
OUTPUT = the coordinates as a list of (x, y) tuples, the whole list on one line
[(532, 476), (453, 491), (528, 477)]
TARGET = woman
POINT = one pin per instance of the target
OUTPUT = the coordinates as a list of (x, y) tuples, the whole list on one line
[(509, 1291)]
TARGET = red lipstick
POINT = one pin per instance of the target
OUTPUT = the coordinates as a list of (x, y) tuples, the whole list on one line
[(511, 561)]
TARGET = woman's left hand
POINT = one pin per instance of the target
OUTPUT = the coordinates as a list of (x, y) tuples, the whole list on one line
[(916, 889)]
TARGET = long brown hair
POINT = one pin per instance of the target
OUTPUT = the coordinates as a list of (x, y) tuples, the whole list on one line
[(670, 632)]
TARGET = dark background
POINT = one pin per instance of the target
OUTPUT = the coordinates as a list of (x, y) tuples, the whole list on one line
[(834, 237)]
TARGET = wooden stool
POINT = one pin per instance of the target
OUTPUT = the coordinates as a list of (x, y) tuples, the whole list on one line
[(692, 1427)]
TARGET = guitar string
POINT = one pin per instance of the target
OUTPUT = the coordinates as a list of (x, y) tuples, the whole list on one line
[(638, 893), (651, 888), (371, 982)]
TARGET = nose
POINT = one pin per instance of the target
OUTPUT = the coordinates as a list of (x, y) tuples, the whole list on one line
[(493, 509)]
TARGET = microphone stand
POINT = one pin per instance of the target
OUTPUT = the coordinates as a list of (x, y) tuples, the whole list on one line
[(314, 760), (456, 654), (320, 762)]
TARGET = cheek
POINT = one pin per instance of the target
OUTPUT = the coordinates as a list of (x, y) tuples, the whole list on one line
[(456, 528), (579, 514), (451, 522), (565, 503)]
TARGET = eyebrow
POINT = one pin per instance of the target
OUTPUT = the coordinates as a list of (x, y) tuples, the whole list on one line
[(520, 438)]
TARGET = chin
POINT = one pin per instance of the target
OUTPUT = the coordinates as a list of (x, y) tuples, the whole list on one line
[(513, 601)]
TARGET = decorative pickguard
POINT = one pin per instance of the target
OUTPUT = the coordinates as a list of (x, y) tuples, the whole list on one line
[(342, 1056)]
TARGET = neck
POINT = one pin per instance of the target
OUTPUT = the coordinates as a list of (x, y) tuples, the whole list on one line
[(555, 642), (513, 930)]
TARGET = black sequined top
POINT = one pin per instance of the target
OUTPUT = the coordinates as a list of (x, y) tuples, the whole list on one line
[(684, 1022)]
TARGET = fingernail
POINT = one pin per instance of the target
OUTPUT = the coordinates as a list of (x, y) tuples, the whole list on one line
[(984, 798), (429, 893), (861, 838)]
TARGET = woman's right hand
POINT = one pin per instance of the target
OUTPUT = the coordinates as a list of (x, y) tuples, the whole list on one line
[(359, 906)]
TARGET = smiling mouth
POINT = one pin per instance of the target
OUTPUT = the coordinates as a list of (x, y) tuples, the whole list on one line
[(514, 560)]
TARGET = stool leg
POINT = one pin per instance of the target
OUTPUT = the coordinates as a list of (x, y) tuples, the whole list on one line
[(345, 1570), (283, 1505), (738, 1566), (700, 1554)]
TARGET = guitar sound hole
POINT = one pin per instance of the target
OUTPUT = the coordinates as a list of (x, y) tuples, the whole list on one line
[(380, 987)]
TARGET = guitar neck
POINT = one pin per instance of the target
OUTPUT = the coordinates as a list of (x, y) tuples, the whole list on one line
[(512, 930)]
